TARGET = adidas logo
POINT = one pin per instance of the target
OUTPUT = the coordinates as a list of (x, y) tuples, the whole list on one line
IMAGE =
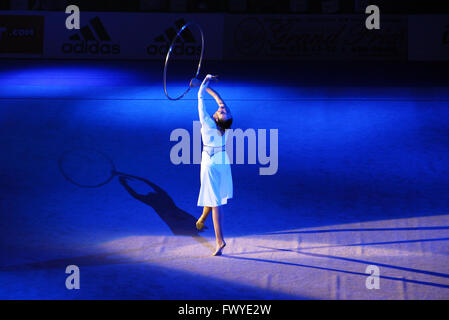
[(93, 39), (186, 43)]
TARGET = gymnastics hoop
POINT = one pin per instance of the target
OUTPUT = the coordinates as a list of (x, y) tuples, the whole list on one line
[(169, 54)]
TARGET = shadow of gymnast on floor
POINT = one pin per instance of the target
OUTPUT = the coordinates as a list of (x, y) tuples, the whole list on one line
[(179, 221)]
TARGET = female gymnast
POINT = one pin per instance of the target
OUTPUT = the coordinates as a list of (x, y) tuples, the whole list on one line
[(216, 178)]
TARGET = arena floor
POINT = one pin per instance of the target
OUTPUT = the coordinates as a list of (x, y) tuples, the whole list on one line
[(362, 180)]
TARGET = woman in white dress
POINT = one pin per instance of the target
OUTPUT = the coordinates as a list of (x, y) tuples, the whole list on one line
[(216, 178)]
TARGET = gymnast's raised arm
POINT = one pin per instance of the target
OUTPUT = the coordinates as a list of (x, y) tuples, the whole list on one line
[(201, 107), (216, 96)]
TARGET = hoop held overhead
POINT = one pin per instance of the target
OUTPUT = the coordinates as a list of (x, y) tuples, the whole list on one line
[(169, 54)]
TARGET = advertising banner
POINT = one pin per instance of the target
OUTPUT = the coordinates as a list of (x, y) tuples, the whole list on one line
[(110, 35), (21, 35), (132, 36), (113, 35), (314, 37)]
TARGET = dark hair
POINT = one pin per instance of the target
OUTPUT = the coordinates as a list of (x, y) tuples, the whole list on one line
[(222, 125)]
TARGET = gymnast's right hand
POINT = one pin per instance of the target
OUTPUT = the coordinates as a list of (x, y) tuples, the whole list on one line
[(208, 78)]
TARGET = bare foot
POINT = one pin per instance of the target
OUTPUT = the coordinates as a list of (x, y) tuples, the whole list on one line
[(219, 249)]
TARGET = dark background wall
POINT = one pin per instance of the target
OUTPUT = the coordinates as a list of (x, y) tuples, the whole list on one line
[(243, 6)]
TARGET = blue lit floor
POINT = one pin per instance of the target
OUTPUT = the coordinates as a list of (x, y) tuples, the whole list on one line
[(362, 180)]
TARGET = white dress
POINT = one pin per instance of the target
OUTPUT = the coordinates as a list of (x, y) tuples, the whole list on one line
[(216, 177)]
